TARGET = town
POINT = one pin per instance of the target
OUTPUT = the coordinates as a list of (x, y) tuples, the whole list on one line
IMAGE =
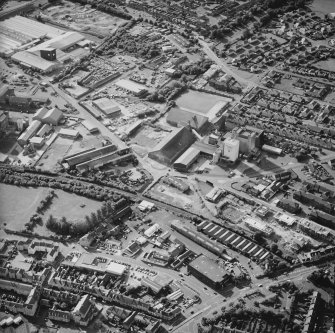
[(167, 166)]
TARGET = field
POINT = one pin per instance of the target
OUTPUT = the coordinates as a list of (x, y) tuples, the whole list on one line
[(322, 7), (18, 204), (197, 101), (76, 17), (328, 65)]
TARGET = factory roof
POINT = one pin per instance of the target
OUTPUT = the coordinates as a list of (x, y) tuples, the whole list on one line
[(188, 157), (33, 60), (130, 86), (60, 42), (106, 105), (115, 268), (30, 28), (209, 268)]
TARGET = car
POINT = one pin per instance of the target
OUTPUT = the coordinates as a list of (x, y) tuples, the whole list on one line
[(260, 285)]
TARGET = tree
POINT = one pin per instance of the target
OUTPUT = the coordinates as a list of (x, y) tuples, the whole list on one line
[(258, 237), (274, 247)]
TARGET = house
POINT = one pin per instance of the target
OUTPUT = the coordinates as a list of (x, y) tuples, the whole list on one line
[(84, 311)]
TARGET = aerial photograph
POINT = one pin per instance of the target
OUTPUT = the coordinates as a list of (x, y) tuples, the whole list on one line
[(167, 166)]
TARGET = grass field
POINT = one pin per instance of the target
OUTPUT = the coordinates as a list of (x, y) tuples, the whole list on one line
[(18, 204), (197, 101), (328, 65)]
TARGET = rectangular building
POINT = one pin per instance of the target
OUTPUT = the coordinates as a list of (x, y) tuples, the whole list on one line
[(209, 272)]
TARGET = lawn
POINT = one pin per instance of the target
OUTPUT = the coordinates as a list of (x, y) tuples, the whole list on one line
[(18, 204)]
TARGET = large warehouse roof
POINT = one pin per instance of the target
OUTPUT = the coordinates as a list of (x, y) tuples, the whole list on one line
[(30, 29), (188, 157), (32, 60), (130, 86), (209, 268), (60, 42), (115, 269)]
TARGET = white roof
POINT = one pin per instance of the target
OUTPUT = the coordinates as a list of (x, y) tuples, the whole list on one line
[(150, 231), (145, 205), (130, 85), (60, 42), (68, 132), (89, 125), (115, 269), (33, 60)]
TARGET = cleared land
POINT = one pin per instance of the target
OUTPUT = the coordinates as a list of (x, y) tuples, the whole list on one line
[(18, 204), (76, 17)]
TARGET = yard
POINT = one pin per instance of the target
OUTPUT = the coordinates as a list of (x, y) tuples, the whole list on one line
[(18, 204)]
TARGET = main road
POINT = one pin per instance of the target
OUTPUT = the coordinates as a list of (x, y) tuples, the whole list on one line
[(87, 116)]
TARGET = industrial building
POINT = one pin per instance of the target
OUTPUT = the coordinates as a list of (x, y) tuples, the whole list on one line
[(48, 116), (68, 133), (90, 127), (176, 182), (209, 272), (231, 149), (131, 86), (107, 107), (258, 226), (89, 154), (29, 132), (249, 138), (233, 240), (18, 33), (95, 158), (22, 38), (201, 239), (185, 161), (172, 146), (215, 194)]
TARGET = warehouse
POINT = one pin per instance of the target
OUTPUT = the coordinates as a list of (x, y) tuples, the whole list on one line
[(132, 87), (111, 158), (69, 133), (108, 107), (172, 146), (61, 42), (46, 116), (89, 126), (209, 272), (272, 150), (18, 33), (184, 162), (115, 268), (89, 154), (32, 60), (29, 132)]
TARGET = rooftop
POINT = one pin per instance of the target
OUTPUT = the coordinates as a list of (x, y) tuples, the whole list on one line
[(209, 268)]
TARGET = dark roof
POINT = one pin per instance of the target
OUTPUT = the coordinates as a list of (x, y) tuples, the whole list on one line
[(209, 268)]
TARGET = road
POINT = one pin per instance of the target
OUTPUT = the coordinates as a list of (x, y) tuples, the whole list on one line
[(225, 68), (87, 116), (216, 305)]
